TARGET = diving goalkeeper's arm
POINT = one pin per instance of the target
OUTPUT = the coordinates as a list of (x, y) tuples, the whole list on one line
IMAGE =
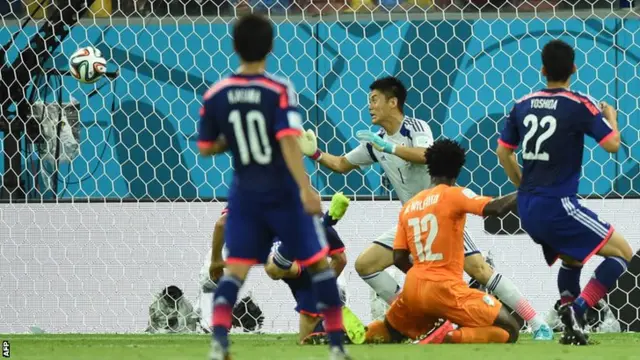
[(309, 146)]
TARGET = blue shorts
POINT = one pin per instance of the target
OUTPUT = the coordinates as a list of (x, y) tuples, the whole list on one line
[(251, 228), (301, 287), (562, 226)]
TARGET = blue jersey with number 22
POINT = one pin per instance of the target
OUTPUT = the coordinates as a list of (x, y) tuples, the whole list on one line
[(551, 125)]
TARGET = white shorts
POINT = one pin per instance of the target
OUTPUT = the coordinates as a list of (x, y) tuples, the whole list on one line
[(387, 238)]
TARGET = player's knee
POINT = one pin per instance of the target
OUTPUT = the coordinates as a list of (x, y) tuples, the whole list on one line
[(478, 268), (617, 246)]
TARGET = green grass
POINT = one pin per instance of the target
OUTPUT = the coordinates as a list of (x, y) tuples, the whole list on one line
[(272, 347)]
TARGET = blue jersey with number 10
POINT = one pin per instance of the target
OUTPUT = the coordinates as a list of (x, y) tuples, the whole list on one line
[(551, 124), (253, 112)]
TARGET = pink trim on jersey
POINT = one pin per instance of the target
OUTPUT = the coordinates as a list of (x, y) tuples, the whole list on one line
[(507, 145), (337, 251), (205, 144), (602, 243), (315, 315), (315, 258), (288, 132), (224, 211), (272, 85), (202, 111), (241, 261), (609, 136), (593, 109), (222, 84)]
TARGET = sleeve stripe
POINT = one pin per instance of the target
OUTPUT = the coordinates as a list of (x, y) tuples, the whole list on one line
[(606, 138), (370, 150), (506, 144), (205, 144), (336, 251), (288, 132)]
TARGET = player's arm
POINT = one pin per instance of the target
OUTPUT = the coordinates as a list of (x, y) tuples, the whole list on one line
[(602, 126), (507, 144), (210, 141), (309, 146), (467, 202), (414, 154), (500, 206), (401, 252)]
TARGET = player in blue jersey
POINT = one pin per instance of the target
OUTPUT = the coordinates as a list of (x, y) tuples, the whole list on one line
[(256, 116), (550, 125)]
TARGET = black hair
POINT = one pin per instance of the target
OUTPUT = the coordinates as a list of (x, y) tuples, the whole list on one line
[(445, 159), (391, 87), (558, 60), (253, 37)]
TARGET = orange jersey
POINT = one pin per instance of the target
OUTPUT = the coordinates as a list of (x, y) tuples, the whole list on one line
[(431, 226)]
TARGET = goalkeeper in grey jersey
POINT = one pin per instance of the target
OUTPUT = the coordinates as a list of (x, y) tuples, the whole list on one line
[(400, 148)]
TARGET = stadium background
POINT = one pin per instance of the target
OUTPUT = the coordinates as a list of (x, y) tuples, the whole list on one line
[(102, 262)]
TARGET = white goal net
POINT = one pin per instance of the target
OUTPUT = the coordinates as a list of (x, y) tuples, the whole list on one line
[(95, 225)]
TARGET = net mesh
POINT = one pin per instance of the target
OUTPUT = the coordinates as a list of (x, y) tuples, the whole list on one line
[(92, 235)]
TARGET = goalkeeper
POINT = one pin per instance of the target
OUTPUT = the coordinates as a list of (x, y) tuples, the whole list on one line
[(400, 147), (279, 267)]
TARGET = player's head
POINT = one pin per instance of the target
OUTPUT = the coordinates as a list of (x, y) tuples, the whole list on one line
[(252, 38), (386, 98), (558, 61), (445, 159), (171, 294)]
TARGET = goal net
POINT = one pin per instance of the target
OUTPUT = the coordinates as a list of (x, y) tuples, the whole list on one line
[(90, 235)]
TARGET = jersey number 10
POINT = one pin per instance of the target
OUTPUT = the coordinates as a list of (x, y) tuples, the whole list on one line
[(429, 225), (256, 145), (531, 122)]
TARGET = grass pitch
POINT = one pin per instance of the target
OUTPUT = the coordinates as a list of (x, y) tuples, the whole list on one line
[(272, 347)]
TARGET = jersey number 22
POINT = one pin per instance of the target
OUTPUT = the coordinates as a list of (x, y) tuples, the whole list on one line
[(427, 225), (532, 123), (256, 145)]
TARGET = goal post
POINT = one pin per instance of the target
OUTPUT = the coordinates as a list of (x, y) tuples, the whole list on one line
[(133, 211)]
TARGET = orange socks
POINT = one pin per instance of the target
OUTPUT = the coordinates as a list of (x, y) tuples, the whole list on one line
[(481, 335)]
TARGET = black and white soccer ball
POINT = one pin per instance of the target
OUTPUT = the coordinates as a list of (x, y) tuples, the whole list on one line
[(87, 65)]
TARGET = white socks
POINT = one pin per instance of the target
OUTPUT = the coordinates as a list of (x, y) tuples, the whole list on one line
[(509, 294), (384, 285)]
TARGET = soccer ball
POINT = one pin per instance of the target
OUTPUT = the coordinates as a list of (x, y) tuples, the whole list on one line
[(87, 65)]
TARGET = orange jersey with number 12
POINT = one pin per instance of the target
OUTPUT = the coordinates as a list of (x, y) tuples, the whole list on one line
[(431, 226)]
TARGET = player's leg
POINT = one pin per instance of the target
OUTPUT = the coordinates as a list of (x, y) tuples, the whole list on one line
[(305, 237), (617, 254), (400, 323), (477, 267), (246, 245), (372, 262), (481, 317)]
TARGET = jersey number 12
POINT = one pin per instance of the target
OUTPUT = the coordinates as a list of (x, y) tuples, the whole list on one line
[(531, 122), (429, 225), (256, 145)]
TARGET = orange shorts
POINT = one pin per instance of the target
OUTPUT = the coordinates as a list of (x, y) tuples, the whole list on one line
[(423, 302)]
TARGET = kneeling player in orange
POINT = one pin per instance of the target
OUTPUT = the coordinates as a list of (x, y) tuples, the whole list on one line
[(430, 229)]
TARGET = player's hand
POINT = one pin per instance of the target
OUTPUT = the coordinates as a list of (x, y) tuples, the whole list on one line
[(308, 143), (216, 270), (608, 111), (376, 141), (311, 201), (338, 206)]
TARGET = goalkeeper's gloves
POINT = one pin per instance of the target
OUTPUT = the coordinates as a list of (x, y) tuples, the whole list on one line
[(376, 141), (309, 145), (338, 206)]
